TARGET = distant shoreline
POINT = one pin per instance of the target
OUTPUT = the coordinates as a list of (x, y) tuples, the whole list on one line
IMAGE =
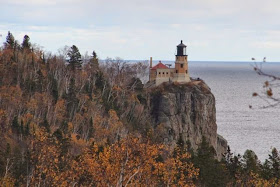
[(211, 61)]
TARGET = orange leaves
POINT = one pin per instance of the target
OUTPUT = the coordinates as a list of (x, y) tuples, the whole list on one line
[(256, 180), (134, 162), (269, 92), (10, 95), (266, 83), (255, 94), (78, 140), (60, 110), (134, 98), (113, 116), (116, 88), (3, 114), (47, 160), (108, 129), (7, 182), (27, 117)]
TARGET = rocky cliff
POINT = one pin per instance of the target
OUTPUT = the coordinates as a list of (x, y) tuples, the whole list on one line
[(186, 110)]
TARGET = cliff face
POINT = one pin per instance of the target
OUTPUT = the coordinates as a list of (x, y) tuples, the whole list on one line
[(186, 110)]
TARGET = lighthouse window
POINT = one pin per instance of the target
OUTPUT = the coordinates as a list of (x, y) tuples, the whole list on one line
[(176, 71), (163, 73), (186, 71), (186, 58), (158, 72), (182, 65), (167, 73)]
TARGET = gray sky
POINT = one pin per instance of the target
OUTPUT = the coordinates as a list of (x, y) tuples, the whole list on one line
[(227, 30)]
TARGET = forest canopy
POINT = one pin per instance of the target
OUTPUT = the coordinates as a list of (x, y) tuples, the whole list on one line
[(68, 119)]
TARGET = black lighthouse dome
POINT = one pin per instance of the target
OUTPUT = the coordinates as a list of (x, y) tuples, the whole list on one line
[(181, 49)]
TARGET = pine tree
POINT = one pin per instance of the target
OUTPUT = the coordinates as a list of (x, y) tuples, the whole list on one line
[(15, 125), (10, 41), (94, 61), (275, 162), (272, 165), (39, 81), (266, 170), (43, 58), (26, 43), (251, 162), (21, 130), (100, 80), (72, 100), (8, 150), (16, 49), (91, 129), (211, 172), (27, 129), (54, 90), (75, 58), (233, 164)]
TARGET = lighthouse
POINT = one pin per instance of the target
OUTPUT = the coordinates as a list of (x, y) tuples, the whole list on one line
[(181, 73), (161, 72)]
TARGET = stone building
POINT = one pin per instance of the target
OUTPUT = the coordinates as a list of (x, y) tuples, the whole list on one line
[(161, 73)]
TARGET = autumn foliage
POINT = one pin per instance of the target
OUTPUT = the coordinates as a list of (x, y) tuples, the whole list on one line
[(72, 120), (65, 121)]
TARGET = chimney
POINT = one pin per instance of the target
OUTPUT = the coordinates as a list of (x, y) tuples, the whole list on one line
[(151, 62)]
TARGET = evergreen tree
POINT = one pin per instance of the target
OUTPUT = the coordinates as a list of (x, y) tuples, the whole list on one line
[(26, 43), (251, 162), (72, 100), (8, 150), (94, 61), (43, 58), (91, 129), (75, 58), (233, 164), (63, 140), (21, 130), (266, 170), (10, 41), (16, 49), (211, 172), (271, 166), (39, 81), (72, 89), (274, 160), (15, 125), (54, 90), (100, 80), (27, 129)]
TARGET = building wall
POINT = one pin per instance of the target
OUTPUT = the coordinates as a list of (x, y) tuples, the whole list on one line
[(163, 75), (178, 74), (153, 74), (181, 69), (181, 60)]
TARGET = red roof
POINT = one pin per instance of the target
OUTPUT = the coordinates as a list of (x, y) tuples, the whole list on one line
[(160, 66)]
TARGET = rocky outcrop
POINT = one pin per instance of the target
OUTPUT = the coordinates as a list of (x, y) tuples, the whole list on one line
[(186, 110)]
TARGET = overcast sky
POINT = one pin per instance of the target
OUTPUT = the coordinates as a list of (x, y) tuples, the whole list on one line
[(225, 30)]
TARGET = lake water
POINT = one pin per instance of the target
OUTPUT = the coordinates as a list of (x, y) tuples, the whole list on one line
[(233, 83)]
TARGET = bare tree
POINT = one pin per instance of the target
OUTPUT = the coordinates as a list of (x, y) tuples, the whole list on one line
[(269, 95)]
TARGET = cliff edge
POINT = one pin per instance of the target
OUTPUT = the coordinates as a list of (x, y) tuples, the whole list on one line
[(187, 110)]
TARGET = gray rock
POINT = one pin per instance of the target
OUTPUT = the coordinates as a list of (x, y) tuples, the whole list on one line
[(186, 110)]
